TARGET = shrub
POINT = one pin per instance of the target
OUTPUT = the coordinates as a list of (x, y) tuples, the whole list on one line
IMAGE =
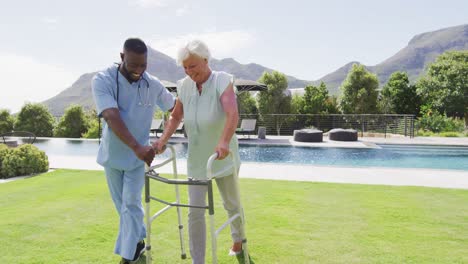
[(449, 134), (423, 133), (23, 160), (4, 152), (435, 122)]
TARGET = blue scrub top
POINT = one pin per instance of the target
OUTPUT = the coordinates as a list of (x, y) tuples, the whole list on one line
[(137, 104)]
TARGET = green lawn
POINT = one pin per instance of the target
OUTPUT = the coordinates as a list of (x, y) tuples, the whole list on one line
[(67, 217)]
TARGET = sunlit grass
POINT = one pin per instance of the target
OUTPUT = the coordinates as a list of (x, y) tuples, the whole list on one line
[(67, 216)]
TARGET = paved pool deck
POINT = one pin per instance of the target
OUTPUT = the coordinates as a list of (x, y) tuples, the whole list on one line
[(315, 173)]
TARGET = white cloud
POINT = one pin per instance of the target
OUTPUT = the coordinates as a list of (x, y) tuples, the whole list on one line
[(27, 80), (177, 6), (50, 23), (182, 10), (152, 3), (50, 20), (222, 44)]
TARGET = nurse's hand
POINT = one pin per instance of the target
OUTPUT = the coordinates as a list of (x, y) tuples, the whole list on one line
[(223, 150), (145, 153)]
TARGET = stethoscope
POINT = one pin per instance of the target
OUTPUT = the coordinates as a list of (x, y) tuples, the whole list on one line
[(145, 103)]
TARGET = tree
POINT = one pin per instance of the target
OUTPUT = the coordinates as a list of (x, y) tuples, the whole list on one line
[(275, 100), (359, 91), (93, 129), (312, 102), (315, 98), (332, 105), (6, 121), (399, 96), (445, 86), (93, 125), (246, 104), (73, 123), (297, 104), (385, 102), (35, 118)]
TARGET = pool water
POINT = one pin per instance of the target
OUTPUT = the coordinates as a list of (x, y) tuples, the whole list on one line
[(391, 156)]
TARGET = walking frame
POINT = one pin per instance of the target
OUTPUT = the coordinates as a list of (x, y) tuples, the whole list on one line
[(151, 174)]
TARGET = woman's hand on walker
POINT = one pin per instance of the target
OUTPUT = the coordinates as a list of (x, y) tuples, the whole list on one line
[(223, 150)]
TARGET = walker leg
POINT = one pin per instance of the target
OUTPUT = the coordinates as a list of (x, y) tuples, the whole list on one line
[(245, 249), (183, 255), (212, 223), (148, 222), (148, 234), (213, 240)]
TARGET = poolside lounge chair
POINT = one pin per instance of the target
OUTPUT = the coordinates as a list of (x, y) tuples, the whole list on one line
[(247, 127), (180, 128), (156, 126), (16, 138)]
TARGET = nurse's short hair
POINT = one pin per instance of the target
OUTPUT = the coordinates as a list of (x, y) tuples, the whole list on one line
[(135, 45), (193, 47)]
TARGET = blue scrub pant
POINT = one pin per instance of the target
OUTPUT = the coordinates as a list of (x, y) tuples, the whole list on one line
[(125, 188)]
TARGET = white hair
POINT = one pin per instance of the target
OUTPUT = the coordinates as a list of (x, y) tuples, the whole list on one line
[(193, 47)]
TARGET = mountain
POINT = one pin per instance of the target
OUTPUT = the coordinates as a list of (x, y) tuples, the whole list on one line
[(79, 93), (422, 50), (251, 71), (414, 58), (165, 68), (333, 80)]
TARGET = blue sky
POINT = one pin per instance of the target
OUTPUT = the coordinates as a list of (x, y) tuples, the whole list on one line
[(46, 45)]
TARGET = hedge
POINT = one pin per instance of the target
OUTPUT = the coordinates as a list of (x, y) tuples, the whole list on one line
[(23, 160)]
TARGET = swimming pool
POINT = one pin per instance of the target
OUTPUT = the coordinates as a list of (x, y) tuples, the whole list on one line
[(390, 156)]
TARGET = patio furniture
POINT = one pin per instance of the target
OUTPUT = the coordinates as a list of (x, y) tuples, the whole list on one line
[(155, 126), (261, 132), (247, 127), (340, 134), (308, 135), (159, 129), (15, 138)]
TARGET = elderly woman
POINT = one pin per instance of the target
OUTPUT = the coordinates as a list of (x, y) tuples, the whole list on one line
[(207, 103)]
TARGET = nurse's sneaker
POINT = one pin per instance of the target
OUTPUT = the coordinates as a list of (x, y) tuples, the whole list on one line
[(124, 261), (140, 249)]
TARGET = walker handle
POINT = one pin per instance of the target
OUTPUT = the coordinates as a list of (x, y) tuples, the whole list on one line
[(209, 165)]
